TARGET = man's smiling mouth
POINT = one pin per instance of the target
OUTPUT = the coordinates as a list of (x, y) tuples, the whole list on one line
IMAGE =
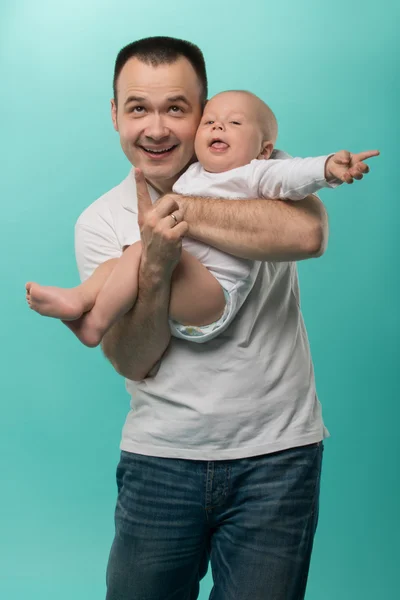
[(158, 152)]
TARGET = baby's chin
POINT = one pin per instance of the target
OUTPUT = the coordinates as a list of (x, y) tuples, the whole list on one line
[(219, 159), (221, 163)]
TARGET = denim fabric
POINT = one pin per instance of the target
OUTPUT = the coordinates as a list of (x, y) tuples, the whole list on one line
[(252, 519)]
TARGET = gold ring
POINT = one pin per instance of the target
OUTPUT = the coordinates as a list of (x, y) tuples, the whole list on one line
[(174, 218)]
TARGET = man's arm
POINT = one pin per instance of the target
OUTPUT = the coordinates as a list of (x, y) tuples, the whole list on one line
[(138, 340), (266, 230)]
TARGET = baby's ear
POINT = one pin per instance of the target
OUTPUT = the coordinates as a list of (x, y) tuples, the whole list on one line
[(266, 150)]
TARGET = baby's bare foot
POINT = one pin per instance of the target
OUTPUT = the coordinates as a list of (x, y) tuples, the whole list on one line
[(55, 302)]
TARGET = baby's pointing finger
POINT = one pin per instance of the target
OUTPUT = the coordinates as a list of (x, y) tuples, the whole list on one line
[(364, 155)]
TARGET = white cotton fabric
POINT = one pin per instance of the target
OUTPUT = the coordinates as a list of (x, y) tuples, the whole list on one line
[(249, 391)]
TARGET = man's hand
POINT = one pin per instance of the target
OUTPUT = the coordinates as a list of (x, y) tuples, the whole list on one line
[(346, 166), (161, 233), (137, 341)]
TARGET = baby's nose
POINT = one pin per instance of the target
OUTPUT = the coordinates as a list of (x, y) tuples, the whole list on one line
[(217, 126)]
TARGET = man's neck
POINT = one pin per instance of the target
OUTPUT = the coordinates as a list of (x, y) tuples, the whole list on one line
[(164, 186)]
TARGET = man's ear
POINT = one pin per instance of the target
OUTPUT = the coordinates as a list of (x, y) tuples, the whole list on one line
[(266, 150), (114, 114)]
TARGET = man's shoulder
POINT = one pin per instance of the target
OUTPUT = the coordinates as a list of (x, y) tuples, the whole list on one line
[(107, 205)]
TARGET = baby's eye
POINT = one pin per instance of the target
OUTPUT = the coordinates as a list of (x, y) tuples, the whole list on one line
[(209, 122), (235, 123)]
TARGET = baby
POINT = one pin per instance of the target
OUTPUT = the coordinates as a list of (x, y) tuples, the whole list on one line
[(234, 144)]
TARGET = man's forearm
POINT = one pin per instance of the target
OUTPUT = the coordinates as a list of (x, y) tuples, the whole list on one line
[(138, 340), (259, 229)]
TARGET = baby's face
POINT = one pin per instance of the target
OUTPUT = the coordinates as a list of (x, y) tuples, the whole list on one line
[(229, 134)]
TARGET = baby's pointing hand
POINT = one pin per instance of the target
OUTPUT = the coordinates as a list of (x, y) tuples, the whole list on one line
[(346, 166)]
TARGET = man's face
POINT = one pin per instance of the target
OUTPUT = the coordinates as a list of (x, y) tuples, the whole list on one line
[(157, 116)]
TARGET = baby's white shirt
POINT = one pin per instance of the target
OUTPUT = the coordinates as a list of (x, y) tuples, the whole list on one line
[(282, 177)]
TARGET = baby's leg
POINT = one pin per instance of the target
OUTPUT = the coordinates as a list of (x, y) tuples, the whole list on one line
[(68, 304), (115, 298), (119, 292), (197, 297)]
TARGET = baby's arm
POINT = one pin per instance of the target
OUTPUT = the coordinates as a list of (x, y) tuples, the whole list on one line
[(296, 178)]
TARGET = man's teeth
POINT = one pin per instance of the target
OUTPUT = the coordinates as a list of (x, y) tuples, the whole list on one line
[(158, 151)]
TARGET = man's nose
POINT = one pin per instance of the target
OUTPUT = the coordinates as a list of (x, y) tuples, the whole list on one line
[(156, 129)]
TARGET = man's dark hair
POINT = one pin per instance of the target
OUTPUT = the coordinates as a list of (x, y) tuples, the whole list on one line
[(161, 50)]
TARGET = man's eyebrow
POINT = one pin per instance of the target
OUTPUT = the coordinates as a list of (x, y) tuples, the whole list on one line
[(179, 98), (134, 99)]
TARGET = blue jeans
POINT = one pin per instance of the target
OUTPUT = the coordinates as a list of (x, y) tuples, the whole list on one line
[(254, 519)]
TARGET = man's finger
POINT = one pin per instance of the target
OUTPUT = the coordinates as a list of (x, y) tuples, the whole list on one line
[(364, 155), (165, 206), (169, 219), (143, 197), (181, 229)]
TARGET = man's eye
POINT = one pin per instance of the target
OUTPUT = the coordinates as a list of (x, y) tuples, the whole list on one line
[(137, 109), (175, 109)]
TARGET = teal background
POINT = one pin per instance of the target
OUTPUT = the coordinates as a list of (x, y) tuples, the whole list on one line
[(330, 72)]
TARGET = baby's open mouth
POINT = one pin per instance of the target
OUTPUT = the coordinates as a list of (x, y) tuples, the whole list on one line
[(218, 144)]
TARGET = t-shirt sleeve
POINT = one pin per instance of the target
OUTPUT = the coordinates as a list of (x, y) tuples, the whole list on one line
[(94, 244), (293, 178)]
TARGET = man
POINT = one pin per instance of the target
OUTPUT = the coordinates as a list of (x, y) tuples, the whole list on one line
[(221, 452)]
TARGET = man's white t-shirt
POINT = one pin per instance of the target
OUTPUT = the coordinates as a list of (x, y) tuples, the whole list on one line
[(248, 392), (282, 177)]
